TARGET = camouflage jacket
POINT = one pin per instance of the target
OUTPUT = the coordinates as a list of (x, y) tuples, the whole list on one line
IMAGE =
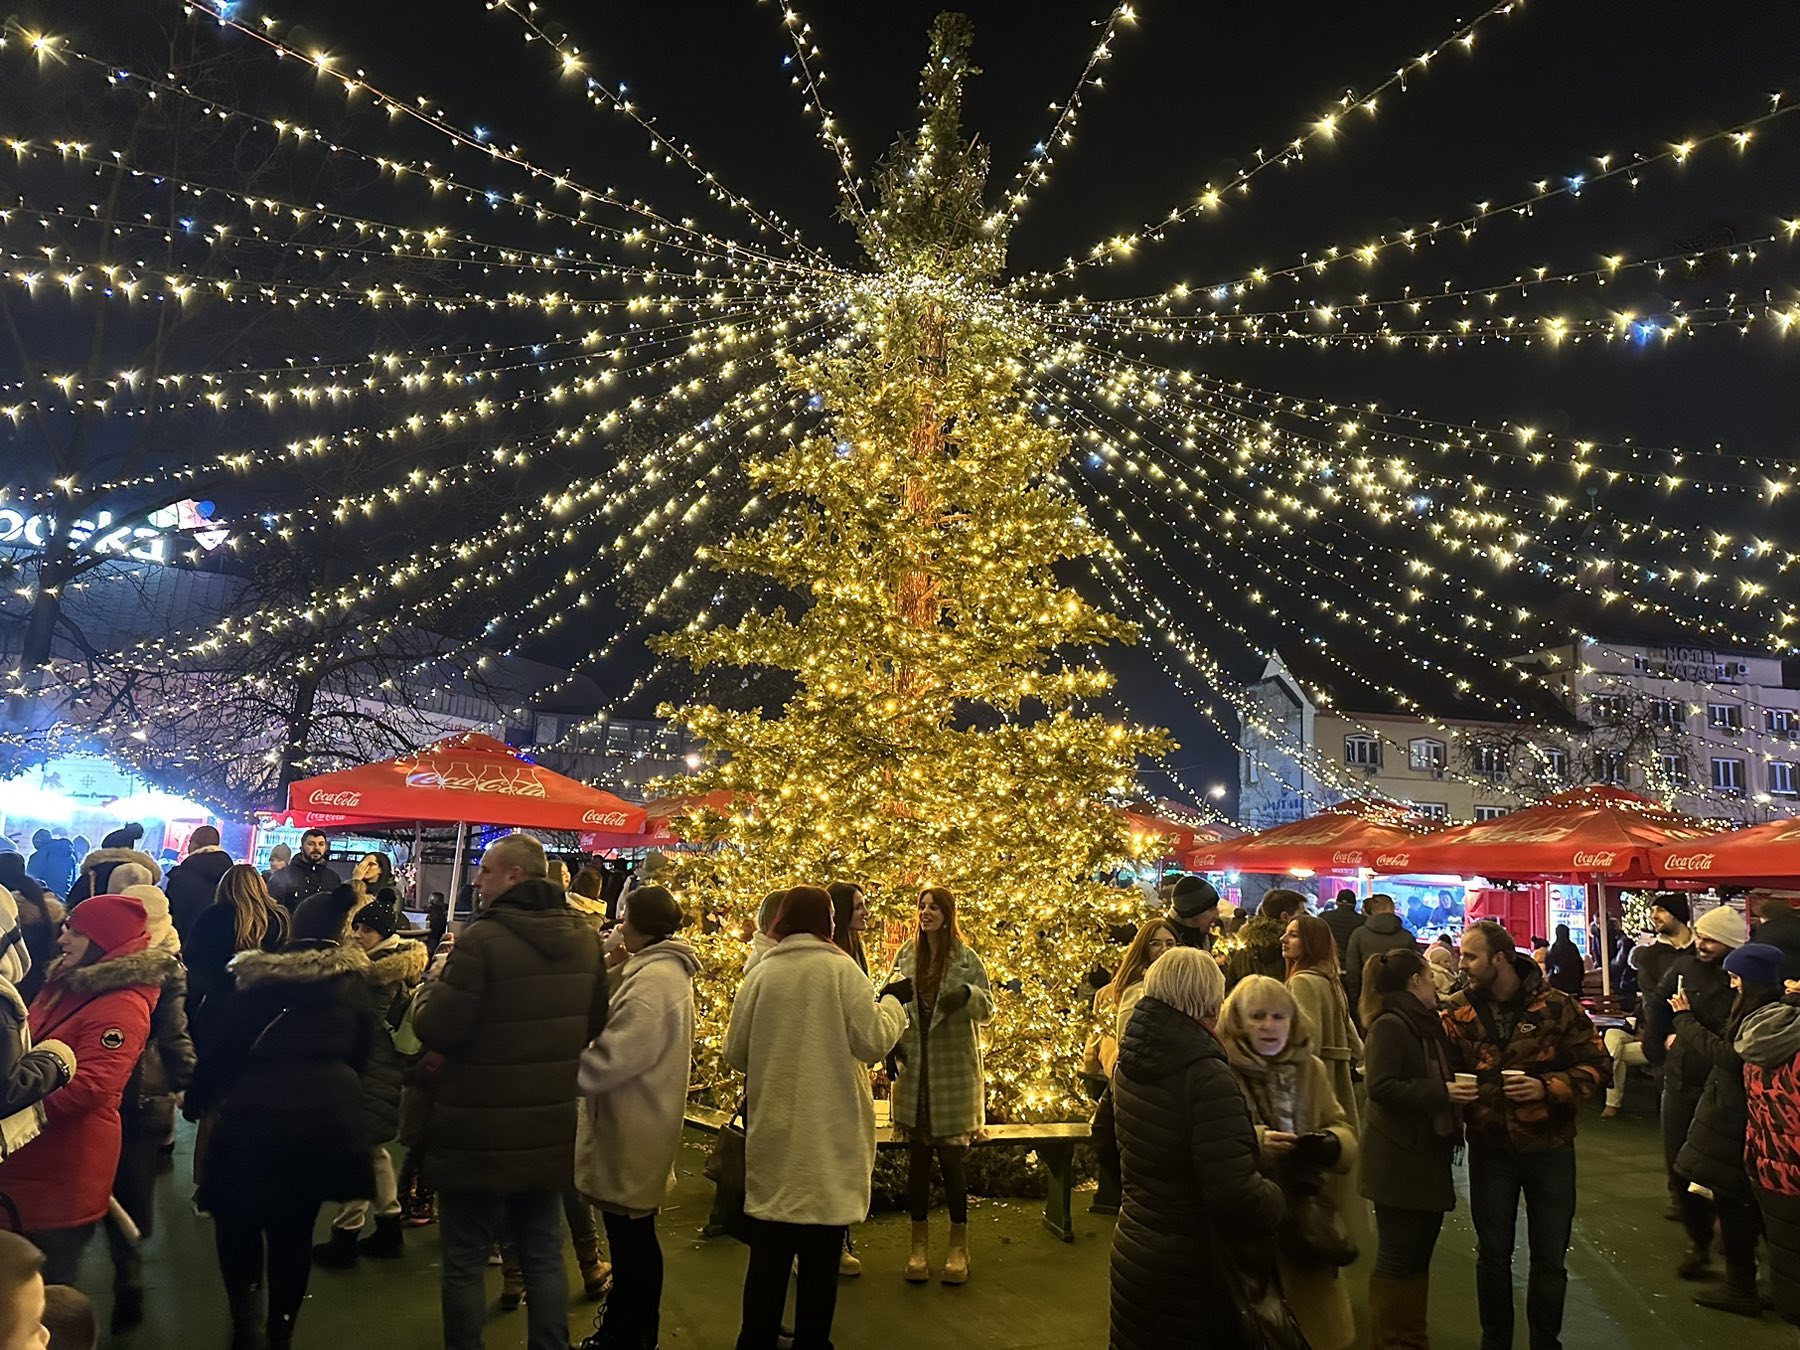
[(1550, 1037)]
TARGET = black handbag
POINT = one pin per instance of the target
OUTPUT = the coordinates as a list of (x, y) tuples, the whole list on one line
[(1313, 1234), (1262, 1314), (725, 1164)]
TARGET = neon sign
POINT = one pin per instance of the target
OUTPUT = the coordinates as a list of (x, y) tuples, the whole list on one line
[(145, 541)]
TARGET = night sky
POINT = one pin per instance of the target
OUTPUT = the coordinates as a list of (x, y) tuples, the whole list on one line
[(1192, 90)]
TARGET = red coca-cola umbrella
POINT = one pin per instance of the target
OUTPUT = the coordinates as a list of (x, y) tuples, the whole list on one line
[(1767, 854), (658, 829), (467, 779), (1593, 832), (1183, 836), (1349, 835)]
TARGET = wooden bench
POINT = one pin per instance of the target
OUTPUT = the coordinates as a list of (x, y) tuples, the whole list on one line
[(1055, 1146)]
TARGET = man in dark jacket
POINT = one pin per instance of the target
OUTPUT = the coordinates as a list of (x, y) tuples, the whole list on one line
[(1564, 966), (516, 1000), (194, 884), (1535, 1055), (1193, 910), (1343, 920), (306, 875), (1699, 973), (1380, 932), (1192, 1191), (1779, 926)]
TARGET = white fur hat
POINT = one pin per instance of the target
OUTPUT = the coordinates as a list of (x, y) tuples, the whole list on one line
[(156, 916)]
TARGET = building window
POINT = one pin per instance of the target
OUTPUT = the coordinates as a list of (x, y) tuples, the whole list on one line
[(1556, 763), (1728, 776), (1674, 768), (1432, 810), (1782, 721), (1782, 778), (1607, 707), (1609, 767), (1490, 761), (1252, 768), (1725, 716), (1363, 750), (1425, 754), (1489, 812), (1667, 712)]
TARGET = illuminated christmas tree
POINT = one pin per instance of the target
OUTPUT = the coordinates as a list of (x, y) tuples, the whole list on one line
[(935, 732)]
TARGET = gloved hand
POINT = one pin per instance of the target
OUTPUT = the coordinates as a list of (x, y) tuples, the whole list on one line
[(1321, 1148), (957, 998), (901, 989), (65, 1055)]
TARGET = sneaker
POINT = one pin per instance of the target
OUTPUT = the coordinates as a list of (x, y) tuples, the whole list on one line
[(1610, 1113)]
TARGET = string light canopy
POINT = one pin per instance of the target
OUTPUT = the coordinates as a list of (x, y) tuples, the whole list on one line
[(442, 383)]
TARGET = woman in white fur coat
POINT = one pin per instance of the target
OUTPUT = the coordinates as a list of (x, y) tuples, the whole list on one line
[(804, 1029), (634, 1082)]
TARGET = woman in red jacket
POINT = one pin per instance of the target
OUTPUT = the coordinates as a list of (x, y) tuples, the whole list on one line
[(98, 1000)]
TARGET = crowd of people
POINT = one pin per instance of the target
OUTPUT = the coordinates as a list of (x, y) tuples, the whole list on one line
[(1272, 1102), (1255, 1119)]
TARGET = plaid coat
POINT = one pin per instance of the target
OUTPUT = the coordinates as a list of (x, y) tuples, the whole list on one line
[(1552, 1039), (957, 1089)]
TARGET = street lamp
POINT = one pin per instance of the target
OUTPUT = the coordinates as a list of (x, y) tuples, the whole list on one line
[(1216, 792)]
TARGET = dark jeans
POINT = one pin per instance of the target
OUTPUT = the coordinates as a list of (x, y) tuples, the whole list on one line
[(1405, 1240), (634, 1305), (62, 1249), (1546, 1180), (469, 1225), (774, 1248), (278, 1242), (1677, 1114), (1740, 1225)]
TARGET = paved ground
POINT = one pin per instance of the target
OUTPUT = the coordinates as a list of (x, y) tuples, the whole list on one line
[(1029, 1292)]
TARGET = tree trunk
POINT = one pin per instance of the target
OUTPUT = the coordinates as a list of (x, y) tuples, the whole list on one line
[(917, 598)]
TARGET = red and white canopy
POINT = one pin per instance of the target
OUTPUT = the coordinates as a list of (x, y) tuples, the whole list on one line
[(1349, 835), (1768, 854), (470, 778), (1583, 832)]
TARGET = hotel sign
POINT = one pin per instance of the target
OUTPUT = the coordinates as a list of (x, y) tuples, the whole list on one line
[(145, 540)]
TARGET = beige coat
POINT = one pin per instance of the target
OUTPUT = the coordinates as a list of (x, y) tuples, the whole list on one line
[(1335, 1038), (1320, 1299)]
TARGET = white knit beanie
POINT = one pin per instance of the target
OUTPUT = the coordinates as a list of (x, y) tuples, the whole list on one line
[(1724, 925)]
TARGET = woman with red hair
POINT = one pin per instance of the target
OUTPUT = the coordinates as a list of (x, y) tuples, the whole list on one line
[(939, 1097), (804, 1028), (1315, 979)]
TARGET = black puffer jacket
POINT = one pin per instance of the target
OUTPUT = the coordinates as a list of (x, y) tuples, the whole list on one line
[(1410, 1130), (193, 884), (167, 1065), (1714, 1152), (284, 1074), (522, 995), (1192, 1190), (1708, 988), (395, 967)]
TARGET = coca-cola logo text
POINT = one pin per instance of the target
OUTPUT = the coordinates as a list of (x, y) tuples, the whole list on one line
[(1393, 860), (1518, 834), (1689, 862), (1598, 858), (1203, 862), (320, 797), (591, 817), (1352, 856)]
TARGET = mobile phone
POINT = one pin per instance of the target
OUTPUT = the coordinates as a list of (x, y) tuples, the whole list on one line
[(1681, 984)]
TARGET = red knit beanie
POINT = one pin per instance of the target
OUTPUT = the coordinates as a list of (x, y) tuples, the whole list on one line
[(116, 924)]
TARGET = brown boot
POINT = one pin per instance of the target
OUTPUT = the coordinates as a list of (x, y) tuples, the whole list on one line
[(918, 1265), (1397, 1312), (595, 1273), (956, 1264)]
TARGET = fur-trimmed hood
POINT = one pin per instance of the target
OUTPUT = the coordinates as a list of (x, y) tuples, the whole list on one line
[(397, 963), (101, 856), (152, 968), (298, 965)]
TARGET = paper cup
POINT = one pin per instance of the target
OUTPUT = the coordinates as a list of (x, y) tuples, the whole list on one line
[(1467, 1079)]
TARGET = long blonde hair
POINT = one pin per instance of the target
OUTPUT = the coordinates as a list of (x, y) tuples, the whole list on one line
[(243, 888), (1137, 957)]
